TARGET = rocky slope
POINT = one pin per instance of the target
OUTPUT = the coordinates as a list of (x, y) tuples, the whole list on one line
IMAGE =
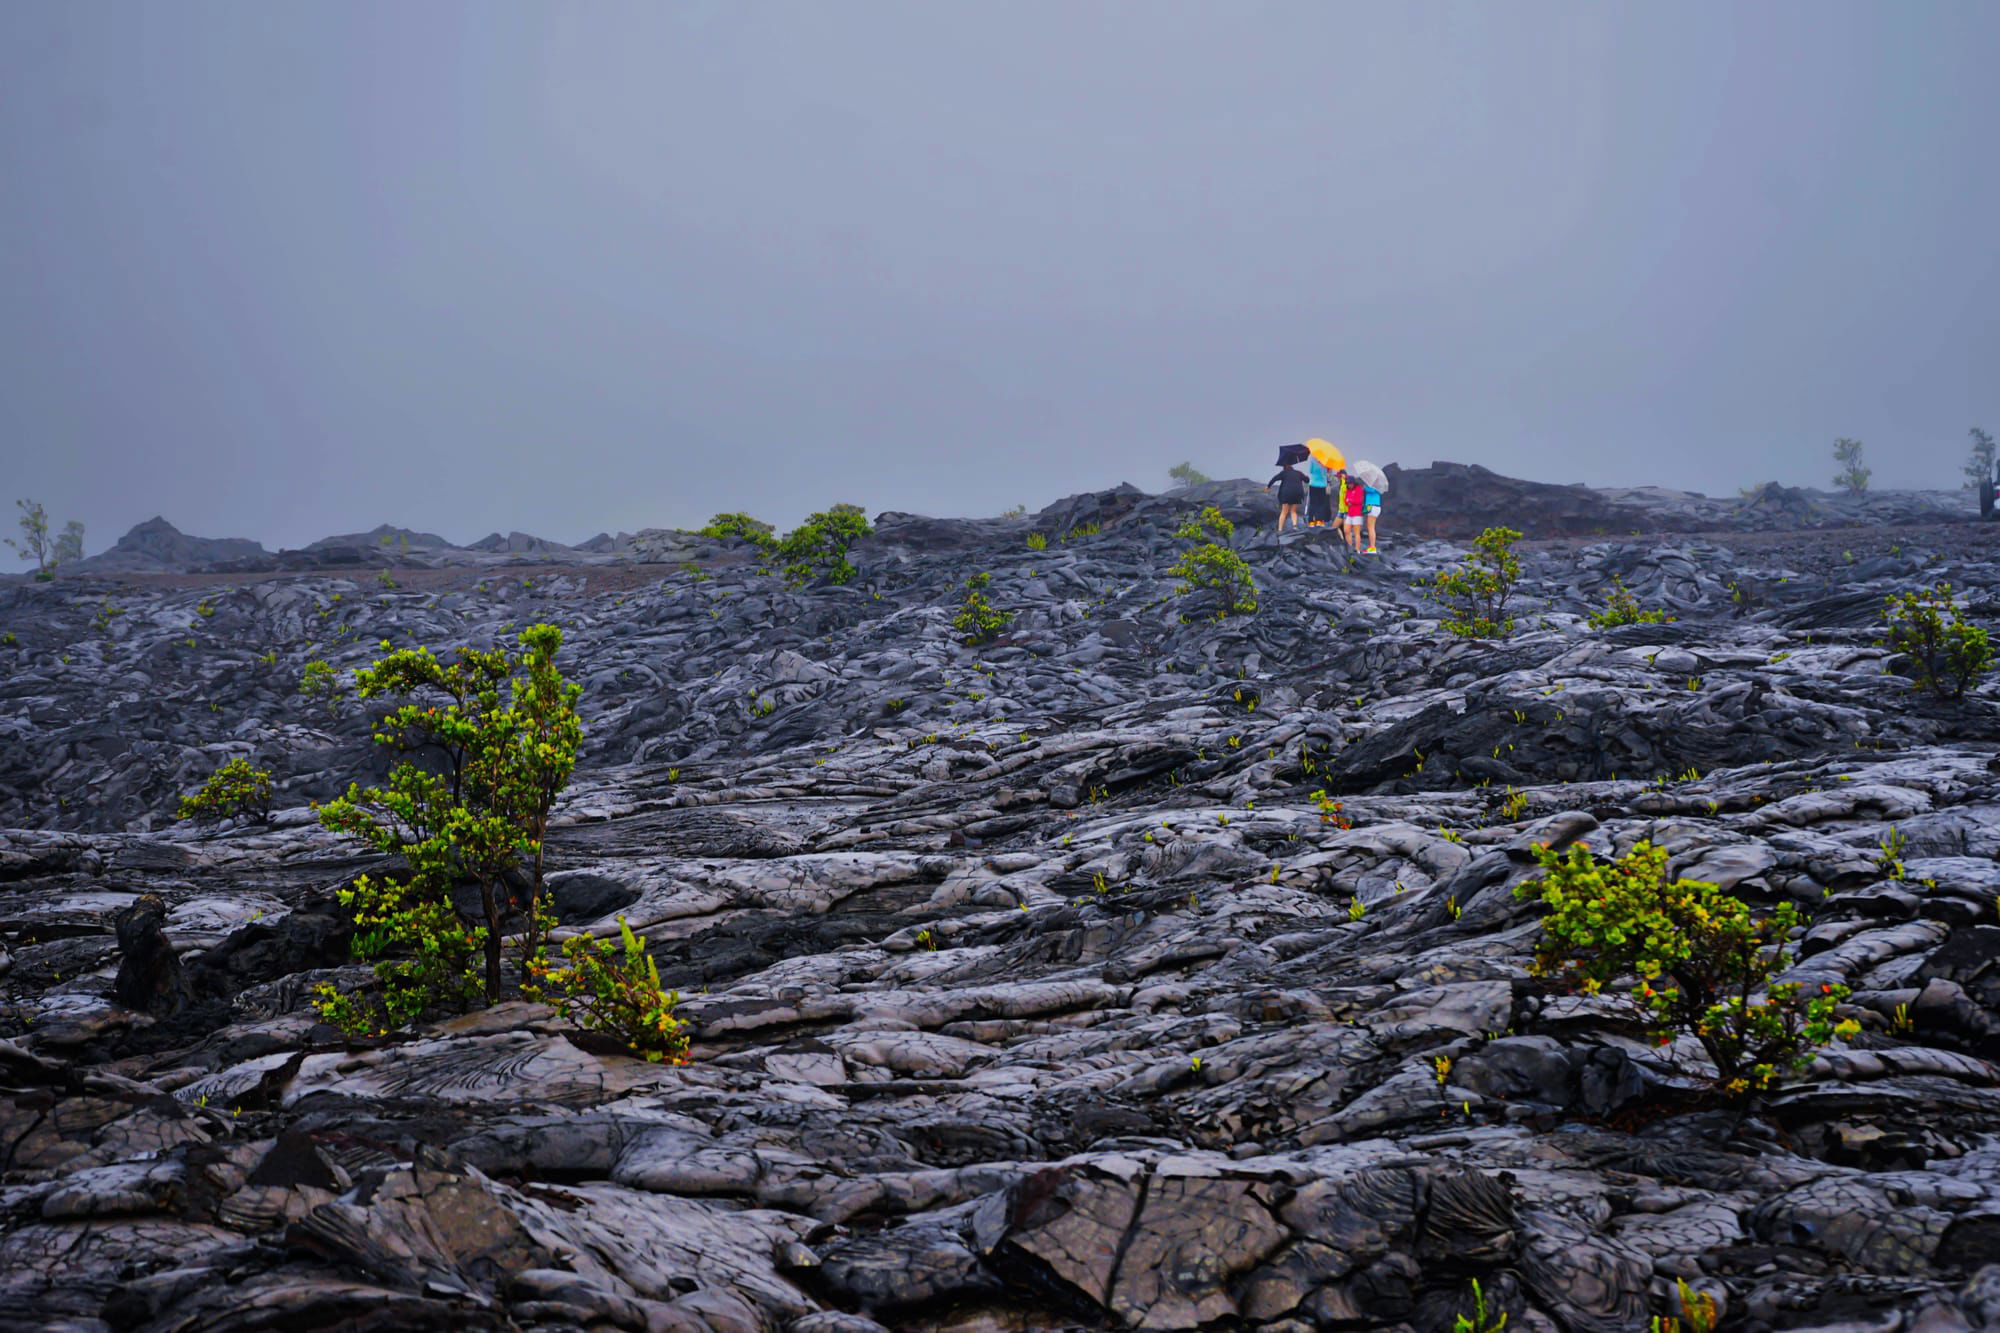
[(1029, 984)]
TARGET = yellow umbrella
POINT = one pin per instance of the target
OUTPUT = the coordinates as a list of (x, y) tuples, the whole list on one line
[(1329, 457)]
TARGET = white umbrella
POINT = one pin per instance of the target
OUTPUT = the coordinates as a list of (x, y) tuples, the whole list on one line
[(1370, 474)]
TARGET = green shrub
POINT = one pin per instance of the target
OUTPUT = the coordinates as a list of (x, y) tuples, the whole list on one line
[(1945, 657), (1210, 524), (1037, 542), (817, 548), (1209, 566), (614, 988), (237, 788), (426, 956), (977, 622), (321, 681), (750, 529), (1622, 608), (478, 812), (1702, 960), (1475, 594), (1187, 474), (1082, 530)]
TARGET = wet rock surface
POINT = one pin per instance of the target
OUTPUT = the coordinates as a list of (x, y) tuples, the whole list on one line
[(1027, 984)]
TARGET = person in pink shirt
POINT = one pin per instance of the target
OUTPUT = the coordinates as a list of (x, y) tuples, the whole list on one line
[(1351, 492)]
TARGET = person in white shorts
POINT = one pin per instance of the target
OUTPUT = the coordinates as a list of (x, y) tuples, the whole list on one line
[(1350, 527)]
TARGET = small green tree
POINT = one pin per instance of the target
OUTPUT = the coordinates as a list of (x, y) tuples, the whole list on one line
[(977, 622), (1622, 608), (1476, 593), (1979, 466), (754, 530), (1703, 962), (1852, 477), (1187, 474), (817, 548), (1946, 656), (1208, 565), (37, 545), (69, 543), (237, 788), (498, 735)]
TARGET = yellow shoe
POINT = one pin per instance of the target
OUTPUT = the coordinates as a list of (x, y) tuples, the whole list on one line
[(1371, 551)]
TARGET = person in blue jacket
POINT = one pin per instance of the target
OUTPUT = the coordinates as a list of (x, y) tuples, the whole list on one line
[(1319, 504)]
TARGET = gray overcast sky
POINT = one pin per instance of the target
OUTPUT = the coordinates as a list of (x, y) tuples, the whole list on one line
[(283, 270)]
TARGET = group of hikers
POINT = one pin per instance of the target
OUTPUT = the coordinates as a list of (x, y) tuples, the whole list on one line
[(1330, 495)]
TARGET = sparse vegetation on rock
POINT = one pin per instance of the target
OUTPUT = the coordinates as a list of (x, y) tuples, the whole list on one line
[(817, 548), (237, 789), (977, 621), (1475, 595), (754, 530), (1622, 608), (1946, 656), (1209, 566), (321, 682), (1702, 964)]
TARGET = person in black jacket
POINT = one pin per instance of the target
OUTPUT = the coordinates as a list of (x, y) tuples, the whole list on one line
[(1291, 484)]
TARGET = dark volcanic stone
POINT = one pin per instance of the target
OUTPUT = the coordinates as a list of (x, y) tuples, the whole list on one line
[(581, 898), (314, 935), (149, 971), (1971, 957)]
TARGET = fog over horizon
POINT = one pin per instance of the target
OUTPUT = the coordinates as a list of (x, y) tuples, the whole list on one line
[(283, 272)]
